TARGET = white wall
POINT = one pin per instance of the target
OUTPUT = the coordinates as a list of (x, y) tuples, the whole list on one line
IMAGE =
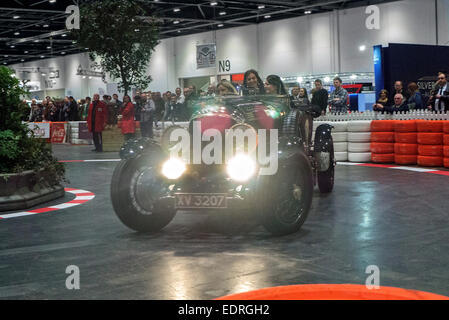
[(314, 44)]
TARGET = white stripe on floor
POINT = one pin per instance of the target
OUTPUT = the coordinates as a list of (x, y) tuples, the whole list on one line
[(414, 169), (84, 198), (65, 205)]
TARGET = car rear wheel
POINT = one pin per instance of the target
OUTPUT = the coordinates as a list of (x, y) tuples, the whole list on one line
[(136, 191), (326, 178)]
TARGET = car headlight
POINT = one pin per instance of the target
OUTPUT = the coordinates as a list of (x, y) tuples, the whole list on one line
[(241, 167), (173, 168)]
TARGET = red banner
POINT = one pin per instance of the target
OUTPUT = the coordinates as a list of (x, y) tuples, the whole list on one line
[(58, 132)]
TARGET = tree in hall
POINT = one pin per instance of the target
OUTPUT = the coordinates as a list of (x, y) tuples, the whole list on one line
[(20, 150), (122, 35)]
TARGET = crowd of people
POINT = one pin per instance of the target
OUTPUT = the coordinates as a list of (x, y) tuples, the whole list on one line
[(402, 100), (151, 108)]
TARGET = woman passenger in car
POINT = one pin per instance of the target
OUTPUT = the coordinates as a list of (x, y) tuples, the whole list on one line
[(274, 85), (252, 83), (225, 88)]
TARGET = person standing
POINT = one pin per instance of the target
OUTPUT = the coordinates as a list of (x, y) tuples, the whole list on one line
[(440, 99), (415, 101), (146, 116), (128, 124), (73, 109), (339, 98), (399, 88), (96, 121), (320, 96)]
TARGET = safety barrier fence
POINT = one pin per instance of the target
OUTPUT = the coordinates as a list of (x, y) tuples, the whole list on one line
[(373, 115), (404, 142)]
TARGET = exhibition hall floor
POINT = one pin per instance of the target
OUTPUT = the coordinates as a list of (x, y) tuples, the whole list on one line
[(396, 220)]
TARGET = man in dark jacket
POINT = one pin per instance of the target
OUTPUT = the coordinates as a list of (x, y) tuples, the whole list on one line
[(320, 96), (398, 106), (73, 109), (399, 88), (439, 100)]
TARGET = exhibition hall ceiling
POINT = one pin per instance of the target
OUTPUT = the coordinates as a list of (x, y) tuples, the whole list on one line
[(35, 29)]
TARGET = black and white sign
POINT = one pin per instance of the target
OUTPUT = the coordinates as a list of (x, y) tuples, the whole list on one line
[(205, 56)]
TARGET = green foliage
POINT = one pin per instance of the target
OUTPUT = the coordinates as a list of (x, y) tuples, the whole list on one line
[(108, 29), (12, 110), (19, 149)]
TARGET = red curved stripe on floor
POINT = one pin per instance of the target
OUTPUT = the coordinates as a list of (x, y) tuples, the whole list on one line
[(333, 292), (75, 202)]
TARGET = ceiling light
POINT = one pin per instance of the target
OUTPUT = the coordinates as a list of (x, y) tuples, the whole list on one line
[(86, 48), (220, 25), (13, 46), (299, 79), (353, 77), (213, 3), (6, 56), (307, 12), (136, 30), (16, 17), (45, 25), (176, 10), (4, 62), (48, 47), (267, 17), (175, 22), (84, 77), (90, 77), (52, 1), (36, 40), (327, 79), (25, 52), (63, 52), (362, 48), (16, 33), (222, 13), (64, 35), (22, 60), (261, 7), (42, 57), (43, 74)]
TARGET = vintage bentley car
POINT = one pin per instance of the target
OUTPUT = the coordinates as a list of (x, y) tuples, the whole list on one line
[(238, 153)]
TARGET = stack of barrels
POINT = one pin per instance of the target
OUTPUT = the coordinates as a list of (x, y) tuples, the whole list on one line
[(382, 141), (446, 143), (430, 143), (406, 142)]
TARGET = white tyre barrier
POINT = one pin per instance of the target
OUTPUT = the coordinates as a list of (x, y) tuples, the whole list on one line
[(359, 147), (340, 136), (359, 136), (339, 126), (341, 156), (340, 147), (359, 126), (359, 157)]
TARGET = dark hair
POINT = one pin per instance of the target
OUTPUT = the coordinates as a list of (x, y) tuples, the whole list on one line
[(319, 80), (259, 80), (277, 82), (89, 98), (412, 87), (338, 79)]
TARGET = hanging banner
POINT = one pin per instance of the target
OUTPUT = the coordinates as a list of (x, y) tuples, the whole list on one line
[(205, 56), (40, 129), (58, 132)]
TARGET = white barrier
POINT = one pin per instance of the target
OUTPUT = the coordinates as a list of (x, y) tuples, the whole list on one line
[(373, 115)]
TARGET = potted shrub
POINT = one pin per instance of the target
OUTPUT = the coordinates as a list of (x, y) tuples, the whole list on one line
[(29, 174)]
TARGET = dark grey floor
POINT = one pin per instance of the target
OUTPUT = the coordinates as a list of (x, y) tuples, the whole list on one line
[(394, 219)]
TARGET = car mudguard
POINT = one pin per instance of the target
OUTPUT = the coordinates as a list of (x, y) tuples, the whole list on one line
[(135, 147), (323, 138)]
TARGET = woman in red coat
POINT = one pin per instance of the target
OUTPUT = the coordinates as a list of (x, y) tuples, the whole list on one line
[(96, 121), (128, 124)]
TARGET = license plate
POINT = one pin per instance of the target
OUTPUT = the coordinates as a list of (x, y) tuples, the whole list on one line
[(200, 200)]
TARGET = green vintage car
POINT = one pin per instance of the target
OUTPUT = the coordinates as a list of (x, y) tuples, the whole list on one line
[(238, 153)]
